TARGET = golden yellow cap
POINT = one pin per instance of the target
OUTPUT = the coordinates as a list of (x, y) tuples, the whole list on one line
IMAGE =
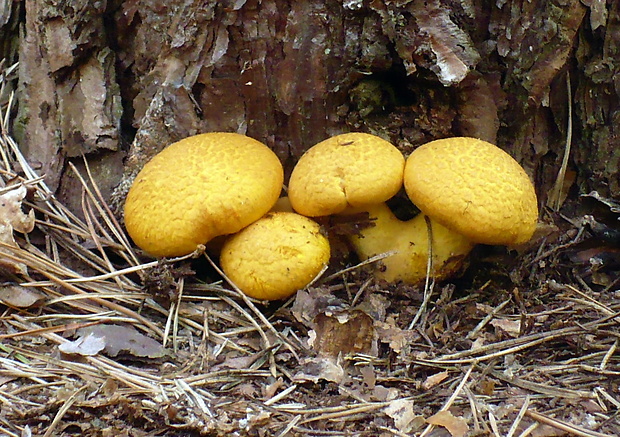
[(198, 188)]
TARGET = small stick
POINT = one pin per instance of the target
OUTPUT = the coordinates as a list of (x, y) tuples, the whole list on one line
[(567, 427), (519, 417), (428, 285)]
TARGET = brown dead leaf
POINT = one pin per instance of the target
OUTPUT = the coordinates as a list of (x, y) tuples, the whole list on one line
[(15, 295), (456, 426), (403, 413), (368, 376), (12, 218), (383, 394), (376, 306), (270, 390), (344, 333), (319, 368), (124, 339), (509, 327), (259, 420), (453, 50), (11, 213), (478, 342), (433, 380), (547, 431), (487, 387), (247, 389), (87, 345), (312, 302), (436, 330), (478, 112), (393, 335), (237, 363)]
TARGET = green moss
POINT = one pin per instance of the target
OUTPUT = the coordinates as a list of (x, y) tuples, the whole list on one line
[(372, 96)]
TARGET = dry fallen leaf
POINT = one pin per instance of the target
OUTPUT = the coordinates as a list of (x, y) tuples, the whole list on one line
[(548, 431), (456, 426), (344, 333), (383, 394), (509, 327), (402, 411), (433, 380), (487, 386), (125, 339), (368, 375), (243, 362), (312, 302), (454, 52), (247, 389), (86, 346), (270, 390), (15, 295), (316, 369), (393, 335), (12, 218)]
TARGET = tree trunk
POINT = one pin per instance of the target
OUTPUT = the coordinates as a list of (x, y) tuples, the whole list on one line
[(117, 81)]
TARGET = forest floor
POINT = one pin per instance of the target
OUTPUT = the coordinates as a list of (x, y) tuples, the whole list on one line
[(97, 340)]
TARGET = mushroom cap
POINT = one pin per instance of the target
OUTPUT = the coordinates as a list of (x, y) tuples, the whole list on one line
[(474, 188), (352, 169), (409, 242), (198, 188), (275, 256)]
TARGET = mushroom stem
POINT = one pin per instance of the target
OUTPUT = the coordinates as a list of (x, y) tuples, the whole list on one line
[(409, 239)]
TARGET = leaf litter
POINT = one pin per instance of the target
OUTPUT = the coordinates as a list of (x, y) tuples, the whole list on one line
[(97, 340), (113, 340)]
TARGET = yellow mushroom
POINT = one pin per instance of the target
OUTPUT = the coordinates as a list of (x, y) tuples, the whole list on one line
[(199, 188), (472, 191), (275, 256), (353, 169), (409, 242), (473, 188)]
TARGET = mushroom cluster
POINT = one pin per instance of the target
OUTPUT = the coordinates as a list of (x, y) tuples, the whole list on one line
[(469, 191), (226, 184), (217, 184)]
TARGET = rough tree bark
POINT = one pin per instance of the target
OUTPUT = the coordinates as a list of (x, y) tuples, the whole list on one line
[(117, 81)]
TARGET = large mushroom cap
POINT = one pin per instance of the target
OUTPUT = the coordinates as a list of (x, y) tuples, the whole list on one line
[(353, 169), (276, 255), (473, 188), (198, 188)]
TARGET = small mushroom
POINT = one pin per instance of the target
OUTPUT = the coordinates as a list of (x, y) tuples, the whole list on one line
[(352, 169), (275, 256), (472, 191), (198, 188)]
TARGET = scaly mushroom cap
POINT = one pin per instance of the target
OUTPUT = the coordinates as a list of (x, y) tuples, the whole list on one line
[(275, 256), (198, 188), (352, 169), (474, 188), (409, 241)]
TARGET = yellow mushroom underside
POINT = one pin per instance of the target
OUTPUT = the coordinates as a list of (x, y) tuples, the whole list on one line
[(409, 242)]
